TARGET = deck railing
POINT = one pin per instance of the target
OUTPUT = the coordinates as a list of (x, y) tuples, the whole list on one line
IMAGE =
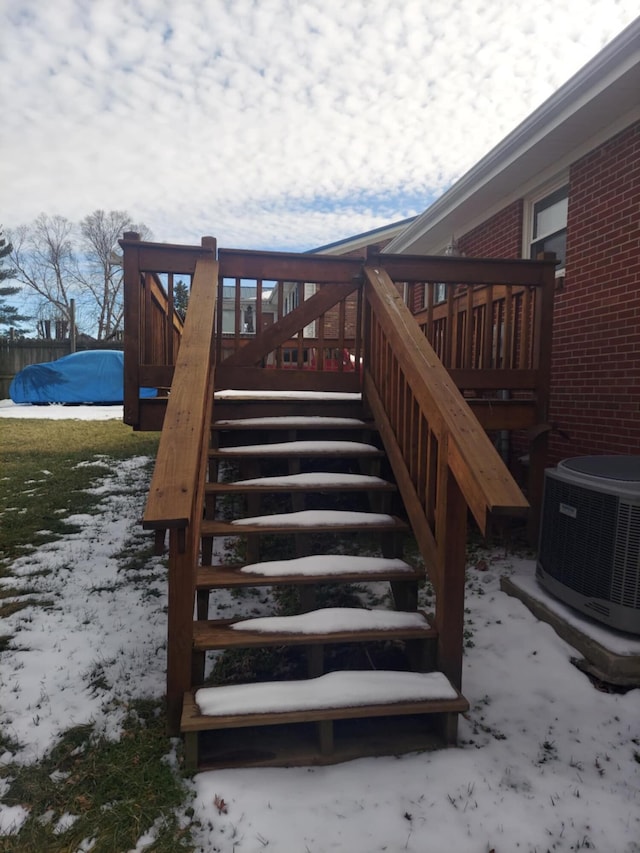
[(307, 322)]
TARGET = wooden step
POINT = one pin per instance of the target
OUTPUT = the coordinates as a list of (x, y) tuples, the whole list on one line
[(227, 404), (301, 449), (317, 568), (335, 695), (283, 422), (306, 521), (330, 625), (319, 481), (380, 696)]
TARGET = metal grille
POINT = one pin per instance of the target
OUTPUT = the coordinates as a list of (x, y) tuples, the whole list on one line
[(578, 535), (625, 581)]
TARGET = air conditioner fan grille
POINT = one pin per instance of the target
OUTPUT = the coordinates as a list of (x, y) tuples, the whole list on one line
[(578, 539)]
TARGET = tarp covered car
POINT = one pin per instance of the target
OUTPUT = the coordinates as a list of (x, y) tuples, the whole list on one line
[(94, 376)]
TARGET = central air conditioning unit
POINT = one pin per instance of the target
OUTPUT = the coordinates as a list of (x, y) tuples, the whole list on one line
[(589, 550)]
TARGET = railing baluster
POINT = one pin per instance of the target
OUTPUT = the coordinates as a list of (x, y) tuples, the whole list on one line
[(468, 338), (487, 334)]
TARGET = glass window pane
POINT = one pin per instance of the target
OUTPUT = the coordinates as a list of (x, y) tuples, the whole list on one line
[(550, 218), (555, 243)]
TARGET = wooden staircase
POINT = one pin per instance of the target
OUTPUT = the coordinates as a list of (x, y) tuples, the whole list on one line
[(325, 490), (334, 501)]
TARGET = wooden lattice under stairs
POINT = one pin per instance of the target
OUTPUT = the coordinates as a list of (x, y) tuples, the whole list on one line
[(307, 495)]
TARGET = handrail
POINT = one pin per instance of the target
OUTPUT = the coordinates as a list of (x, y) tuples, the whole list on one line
[(441, 457), (482, 476), (171, 495)]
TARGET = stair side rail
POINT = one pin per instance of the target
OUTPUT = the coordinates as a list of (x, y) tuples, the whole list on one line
[(176, 495), (443, 460)]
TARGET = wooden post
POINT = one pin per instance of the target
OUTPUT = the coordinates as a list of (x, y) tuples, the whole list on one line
[(132, 328), (72, 325), (179, 623), (451, 536)]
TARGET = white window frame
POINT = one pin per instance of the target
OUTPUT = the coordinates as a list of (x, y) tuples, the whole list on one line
[(528, 223)]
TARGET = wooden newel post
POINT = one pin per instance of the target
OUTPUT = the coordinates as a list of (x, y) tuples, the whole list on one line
[(179, 624), (132, 326), (452, 555)]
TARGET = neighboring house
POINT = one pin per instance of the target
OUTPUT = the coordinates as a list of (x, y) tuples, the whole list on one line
[(567, 180), (357, 245), (247, 310)]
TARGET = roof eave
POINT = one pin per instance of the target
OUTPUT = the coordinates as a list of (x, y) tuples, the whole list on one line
[(619, 59)]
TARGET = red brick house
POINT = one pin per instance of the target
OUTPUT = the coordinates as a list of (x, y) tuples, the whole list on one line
[(567, 180)]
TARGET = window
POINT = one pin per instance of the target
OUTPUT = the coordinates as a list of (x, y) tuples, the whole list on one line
[(439, 293), (549, 232)]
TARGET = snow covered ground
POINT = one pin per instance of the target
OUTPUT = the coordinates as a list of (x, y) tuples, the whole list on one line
[(546, 762)]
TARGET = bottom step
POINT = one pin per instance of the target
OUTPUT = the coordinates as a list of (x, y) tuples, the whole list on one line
[(333, 718)]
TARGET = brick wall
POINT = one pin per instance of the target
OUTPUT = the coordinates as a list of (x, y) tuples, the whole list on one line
[(595, 386), (498, 237), (595, 390)]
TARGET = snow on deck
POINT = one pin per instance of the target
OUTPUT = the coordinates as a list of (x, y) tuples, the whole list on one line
[(326, 564), (315, 479), (316, 518), (234, 394), (283, 420), (333, 619), (317, 447), (333, 690)]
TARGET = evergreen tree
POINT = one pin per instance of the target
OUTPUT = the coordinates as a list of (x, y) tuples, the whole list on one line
[(9, 314), (180, 297)]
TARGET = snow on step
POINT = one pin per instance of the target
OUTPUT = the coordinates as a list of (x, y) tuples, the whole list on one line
[(315, 479), (316, 518), (327, 564), (235, 394), (333, 620), (283, 420), (317, 447), (333, 690)]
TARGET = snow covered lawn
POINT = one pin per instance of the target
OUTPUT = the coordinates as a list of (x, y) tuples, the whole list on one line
[(545, 763)]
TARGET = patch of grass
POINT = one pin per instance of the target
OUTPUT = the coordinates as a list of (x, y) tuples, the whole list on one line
[(43, 480), (10, 607), (115, 791)]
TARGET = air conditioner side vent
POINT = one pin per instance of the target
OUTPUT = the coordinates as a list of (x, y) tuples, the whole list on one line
[(625, 582)]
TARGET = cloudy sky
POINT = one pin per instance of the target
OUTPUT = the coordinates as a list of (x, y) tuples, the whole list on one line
[(282, 124)]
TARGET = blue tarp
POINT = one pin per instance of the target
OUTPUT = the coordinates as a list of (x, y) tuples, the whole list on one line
[(94, 376)]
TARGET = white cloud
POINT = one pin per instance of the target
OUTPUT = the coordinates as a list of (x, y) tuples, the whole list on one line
[(276, 123)]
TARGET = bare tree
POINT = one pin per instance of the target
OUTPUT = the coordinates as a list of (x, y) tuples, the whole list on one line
[(61, 261), (102, 274), (43, 259)]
